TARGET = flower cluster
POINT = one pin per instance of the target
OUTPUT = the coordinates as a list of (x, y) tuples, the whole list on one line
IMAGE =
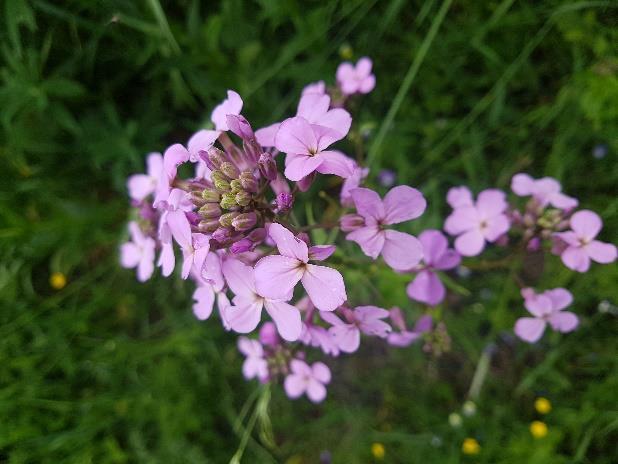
[(232, 219)]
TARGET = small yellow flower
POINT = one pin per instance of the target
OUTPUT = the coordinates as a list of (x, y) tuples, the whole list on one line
[(378, 451), (346, 52), (542, 405), (470, 446), (538, 429), (57, 280)]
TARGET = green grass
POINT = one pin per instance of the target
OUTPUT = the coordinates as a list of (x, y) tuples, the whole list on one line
[(111, 371)]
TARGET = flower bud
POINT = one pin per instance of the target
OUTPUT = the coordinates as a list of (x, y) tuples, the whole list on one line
[(284, 202), (236, 186), (242, 246), (305, 183), (211, 196), (214, 159), (196, 199), (226, 219), (229, 170), (268, 167), (252, 149), (248, 181), (222, 234), (222, 185), (210, 211), (304, 237), (268, 334), (208, 226), (244, 221), (257, 235), (243, 198), (351, 222), (228, 201)]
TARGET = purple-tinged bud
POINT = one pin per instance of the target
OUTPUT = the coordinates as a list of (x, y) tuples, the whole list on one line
[(248, 181), (210, 211), (236, 186), (304, 237), (193, 218), (252, 149), (268, 167), (240, 126), (351, 222), (284, 202), (387, 178), (268, 334), (528, 220), (243, 198), (228, 201), (241, 246), (226, 219), (229, 170), (305, 183), (211, 196), (244, 221), (534, 244), (257, 235), (208, 226), (215, 158), (196, 199), (222, 234)]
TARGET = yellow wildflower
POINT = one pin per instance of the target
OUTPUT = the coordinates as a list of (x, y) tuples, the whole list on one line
[(378, 451), (542, 405), (470, 446), (538, 429), (57, 280)]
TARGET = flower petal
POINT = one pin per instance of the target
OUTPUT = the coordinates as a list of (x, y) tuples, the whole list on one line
[(601, 252), (204, 297), (491, 202), (576, 258), (324, 286), (288, 244), (461, 220), (294, 385), (458, 197), (370, 239), (335, 162), (564, 321), (299, 166), (239, 277), (316, 392), (529, 329), (201, 140), (295, 136), (560, 298), (286, 318), (471, 243), (586, 224), (434, 244), (522, 185), (276, 276), (245, 317), (426, 288), (403, 203), (401, 251), (368, 203)]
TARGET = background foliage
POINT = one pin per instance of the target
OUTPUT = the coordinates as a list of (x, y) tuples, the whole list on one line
[(110, 371)]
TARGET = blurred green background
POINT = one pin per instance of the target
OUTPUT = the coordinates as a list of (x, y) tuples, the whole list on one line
[(107, 370)]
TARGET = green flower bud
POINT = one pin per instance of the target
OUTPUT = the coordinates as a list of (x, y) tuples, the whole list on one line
[(228, 201), (211, 196), (236, 186), (226, 219), (243, 198), (245, 221)]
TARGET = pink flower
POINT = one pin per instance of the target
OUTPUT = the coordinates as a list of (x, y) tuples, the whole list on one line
[(255, 366), (581, 246), (139, 253), (307, 379), (276, 276), (245, 314), (427, 286), (356, 79), (315, 87), (365, 319), (142, 185), (195, 247), (476, 223), (545, 191), (405, 337), (401, 251), (231, 105), (546, 307), (352, 182)]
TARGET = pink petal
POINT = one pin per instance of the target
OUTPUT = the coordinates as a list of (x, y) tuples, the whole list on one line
[(496, 227), (240, 126), (560, 298), (231, 105), (167, 260), (448, 260), (367, 84), (471, 243), (338, 120), (255, 367), (299, 166), (325, 136), (245, 317), (601, 252), (201, 140), (287, 244), (239, 277), (370, 239), (529, 329), (130, 254), (316, 392), (145, 268), (249, 347), (180, 227), (204, 297), (458, 197), (426, 288), (324, 286), (276, 276), (564, 321), (315, 87), (140, 186), (491, 202), (266, 135), (187, 262), (461, 220), (286, 318), (154, 164), (522, 185), (576, 258), (368, 203), (345, 71), (434, 244), (347, 337), (363, 66), (321, 372), (172, 158), (423, 324), (403, 203), (321, 252), (294, 385), (313, 106), (335, 162), (401, 251), (562, 201), (539, 305), (569, 238), (586, 224), (300, 367), (296, 136)]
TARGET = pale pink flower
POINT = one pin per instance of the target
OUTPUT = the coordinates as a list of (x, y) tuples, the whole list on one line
[(476, 223), (356, 79), (277, 275), (581, 246), (195, 246), (246, 312), (405, 337), (139, 253), (309, 380), (546, 191), (231, 105), (547, 308), (427, 286), (255, 365), (365, 319), (352, 182), (142, 185), (401, 251)]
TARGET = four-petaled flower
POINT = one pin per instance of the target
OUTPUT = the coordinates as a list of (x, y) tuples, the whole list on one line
[(547, 308), (546, 191), (401, 251), (356, 79), (405, 337), (365, 319), (307, 379), (276, 276), (139, 253), (142, 185), (255, 366)]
